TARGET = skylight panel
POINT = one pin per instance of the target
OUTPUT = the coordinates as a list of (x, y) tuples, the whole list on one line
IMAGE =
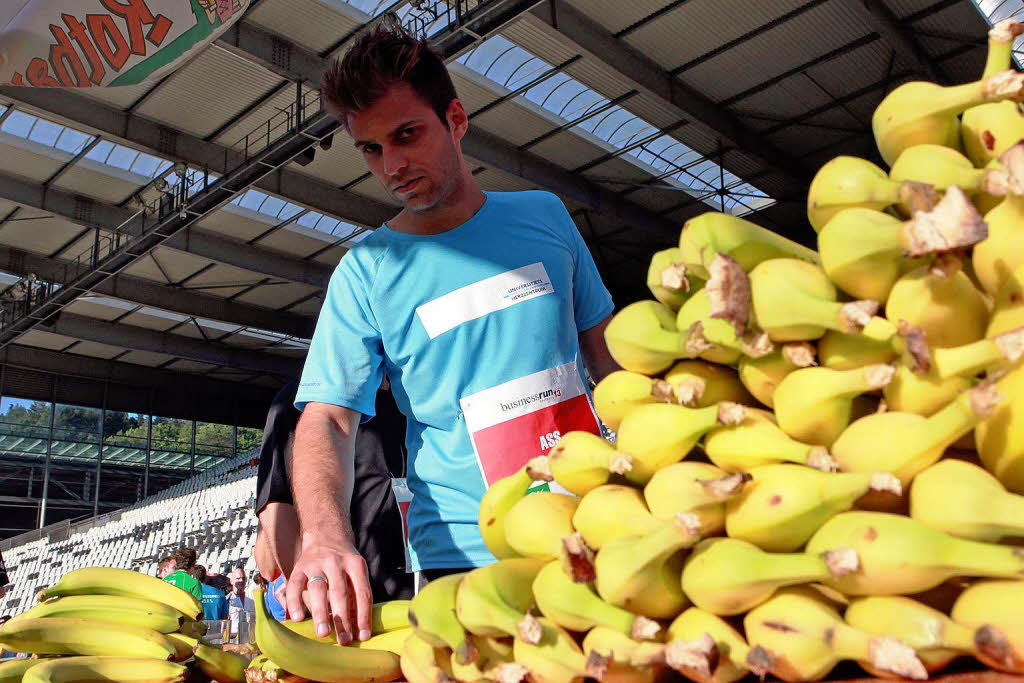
[(18, 124)]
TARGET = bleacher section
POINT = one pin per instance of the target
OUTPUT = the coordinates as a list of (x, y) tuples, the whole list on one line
[(212, 512)]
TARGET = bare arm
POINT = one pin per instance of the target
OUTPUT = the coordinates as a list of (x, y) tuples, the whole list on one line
[(595, 351), (322, 473)]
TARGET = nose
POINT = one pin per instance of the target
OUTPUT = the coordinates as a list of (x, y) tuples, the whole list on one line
[(394, 161)]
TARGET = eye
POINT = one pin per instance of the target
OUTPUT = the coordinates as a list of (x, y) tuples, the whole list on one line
[(406, 133), (371, 149)]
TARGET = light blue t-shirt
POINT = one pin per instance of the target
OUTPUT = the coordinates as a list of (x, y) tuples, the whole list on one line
[(500, 297)]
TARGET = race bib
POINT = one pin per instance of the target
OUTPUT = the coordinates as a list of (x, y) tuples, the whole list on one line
[(510, 423), (403, 496)]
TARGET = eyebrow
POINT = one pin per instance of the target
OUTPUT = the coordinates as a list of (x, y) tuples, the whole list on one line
[(404, 124)]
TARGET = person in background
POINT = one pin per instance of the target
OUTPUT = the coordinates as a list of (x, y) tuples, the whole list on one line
[(241, 608), (215, 603), (4, 579), (166, 567), (184, 561)]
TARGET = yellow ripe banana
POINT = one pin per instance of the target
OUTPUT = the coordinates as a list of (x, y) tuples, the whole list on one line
[(582, 461), (923, 393), (641, 573), (612, 511), (66, 636), (121, 669), (668, 279), (935, 638), (748, 243), (864, 252), (575, 606), (12, 670), (387, 616), (622, 390), (536, 525), (694, 488), (492, 600), (942, 168), (728, 663), (500, 498), (760, 376), (847, 182), (785, 504), (795, 301), (421, 662), (728, 576), (391, 641), (129, 611), (983, 509), (617, 658), (841, 351), (931, 298), (1008, 307), (799, 638), (642, 337), (713, 339), (901, 556), (1000, 438), (1003, 250), (221, 666), (660, 434), (698, 384), (554, 658), (919, 112), (185, 646), (905, 443), (493, 653), (757, 441), (996, 610), (126, 583), (813, 405), (320, 661), (432, 616), (988, 130)]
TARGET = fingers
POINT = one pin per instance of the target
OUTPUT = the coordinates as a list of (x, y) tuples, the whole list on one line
[(355, 567), (319, 605), (294, 589), (339, 595)]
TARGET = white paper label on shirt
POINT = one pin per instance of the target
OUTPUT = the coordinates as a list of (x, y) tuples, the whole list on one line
[(510, 423), (486, 296)]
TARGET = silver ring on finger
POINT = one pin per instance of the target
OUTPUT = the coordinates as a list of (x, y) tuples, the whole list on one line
[(311, 579)]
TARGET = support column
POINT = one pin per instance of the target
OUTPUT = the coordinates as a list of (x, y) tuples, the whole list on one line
[(192, 452), (49, 450), (99, 453), (149, 449)]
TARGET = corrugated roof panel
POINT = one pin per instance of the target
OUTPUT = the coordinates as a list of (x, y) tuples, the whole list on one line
[(852, 71), (616, 15), (785, 100), (92, 183), (217, 85), (494, 180), (120, 97), (96, 350), (295, 244), (39, 235), (537, 37), (176, 264), (513, 122), (960, 19), (44, 340), (600, 77), (147, 358), (339, 165), (308, 307), (473, 93), (802, 139), (277, 295), (310, 23), (234, 134), (192, 366), (904, 8), (224, 280), (94, 307), (567, 150), (18, 159), (369, 187), (235, 225), (148, 321)]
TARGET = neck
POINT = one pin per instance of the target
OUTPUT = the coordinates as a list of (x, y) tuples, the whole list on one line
[(458, 207)]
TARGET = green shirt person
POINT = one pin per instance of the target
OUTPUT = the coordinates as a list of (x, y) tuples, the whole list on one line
[(177, 570), (185, 581)]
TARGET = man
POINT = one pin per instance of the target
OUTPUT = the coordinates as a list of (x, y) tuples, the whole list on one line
[(481, 308), (241, 608), (4, 579), (184, 561), (166, 567), (215, 604)]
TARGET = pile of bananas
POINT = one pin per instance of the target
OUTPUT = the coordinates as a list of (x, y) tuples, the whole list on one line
[(100, 624)]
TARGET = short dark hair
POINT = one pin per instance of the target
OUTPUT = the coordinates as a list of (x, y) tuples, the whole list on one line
[(218, 581), (383, 56), (165, 560), (185, 558), (199, 573)]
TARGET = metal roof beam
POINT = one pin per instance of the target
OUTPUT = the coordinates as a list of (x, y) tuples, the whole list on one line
[(899, 38), (143, 339), (593, 38), (93, 213), (141, 291)]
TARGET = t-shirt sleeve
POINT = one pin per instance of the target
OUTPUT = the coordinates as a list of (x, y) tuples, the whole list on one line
[(591, 301), (345, 362)]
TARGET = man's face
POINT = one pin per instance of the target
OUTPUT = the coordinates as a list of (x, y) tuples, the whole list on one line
[(413, 154), (237, 579)]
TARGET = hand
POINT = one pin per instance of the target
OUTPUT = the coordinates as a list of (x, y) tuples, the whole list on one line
[(341, 597)]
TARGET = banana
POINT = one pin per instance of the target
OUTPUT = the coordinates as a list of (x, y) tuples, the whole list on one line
[(554, 658), (129, 611), (799, 638), (905, 443), (621, 391), (1008, 307), (318, 661), (923, 393), (988, 130), (901, 556), (660, 434), (847, 182), (641, 573), (12, 670), (221, 666), (493, 653), (617, 658), (1003, 251), (536, 525), (612, 511), (996, 610), (841, 351), (121, 669), (66, 636), (728, 661), (919, 112), (575, 606), (727, 576), (387, 616), (813, 405), (984, 510), (758, 441), (698, 384), (642, 337), (123, 582), (185, 646), (695, 488), (760, 376), (391, 641), (1000, 438), (668, 279), (795, 301), (582, 461), (500, 498), (432, 616), (421, 662), (942, 168), (748, 243), (863, 251), (492, 600), (936, 639), (715, 339), (785, 504)]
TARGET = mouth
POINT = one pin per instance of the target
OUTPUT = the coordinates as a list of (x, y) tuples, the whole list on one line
[(402, 189)]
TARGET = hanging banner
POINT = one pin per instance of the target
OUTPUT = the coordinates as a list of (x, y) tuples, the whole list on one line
[(104, 43)]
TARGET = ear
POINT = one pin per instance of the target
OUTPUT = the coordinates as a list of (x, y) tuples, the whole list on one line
[(458, 121)]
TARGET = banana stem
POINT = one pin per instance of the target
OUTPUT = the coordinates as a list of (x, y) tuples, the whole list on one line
[(850, 383), (1008, 514), (849, 643), (790, 569), (957, 637), (661, 543), (957, 418), (1000, 48), (969, 359)]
